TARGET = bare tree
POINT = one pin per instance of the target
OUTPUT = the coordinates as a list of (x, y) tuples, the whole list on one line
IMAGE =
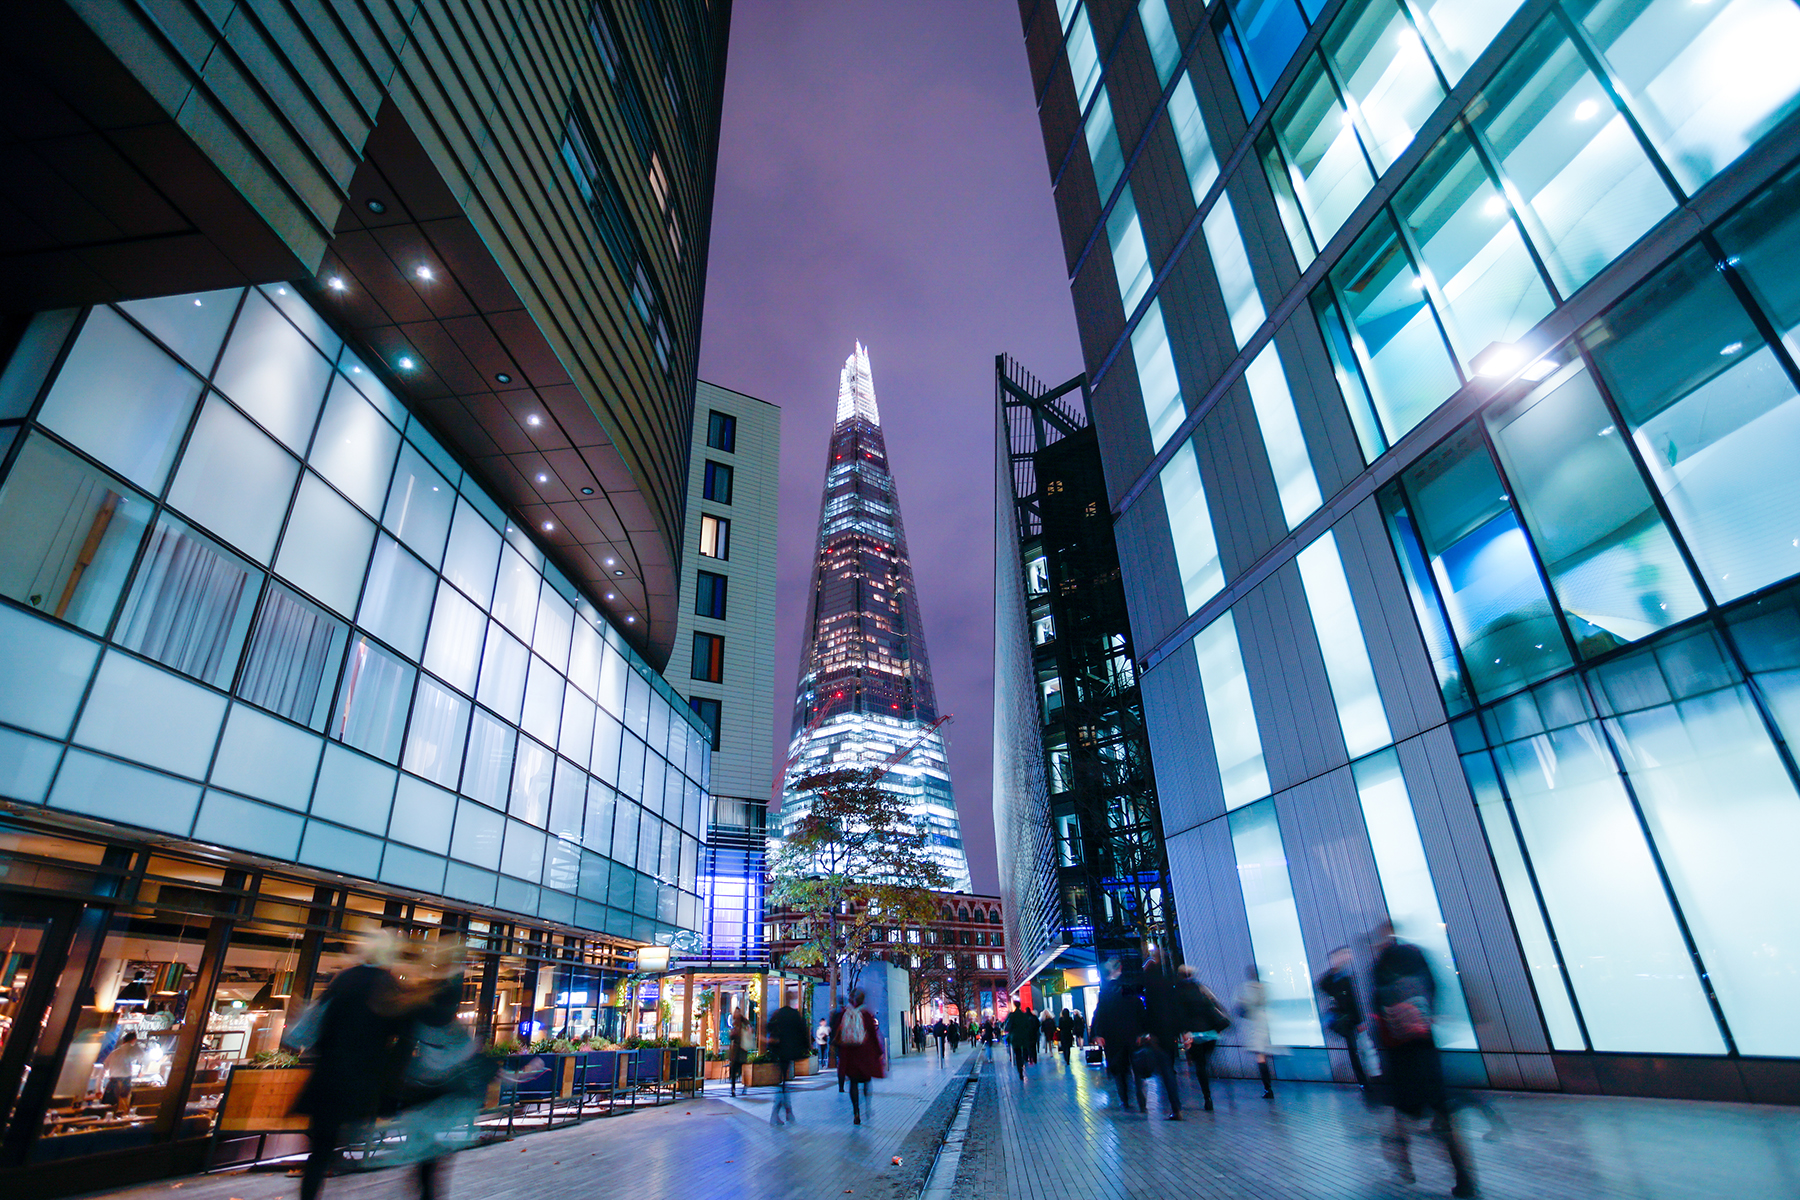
[(854, 865)]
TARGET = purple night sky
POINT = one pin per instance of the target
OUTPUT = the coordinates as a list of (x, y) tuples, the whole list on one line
[(882, 177)]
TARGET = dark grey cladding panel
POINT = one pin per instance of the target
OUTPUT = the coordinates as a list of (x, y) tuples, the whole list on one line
[(1331, 442), (1181, 747), (1098, 312), (1153, 595), (1288, 686), (1123, 432), (1336, 887), (1215, 936), (1240, 490), (1403, 669), (1469, 895), (1193, 310)]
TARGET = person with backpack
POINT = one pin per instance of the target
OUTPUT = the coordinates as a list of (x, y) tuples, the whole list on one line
[(1405, 1002), (1202, 1019), (860, 1057), (1343, 1012)]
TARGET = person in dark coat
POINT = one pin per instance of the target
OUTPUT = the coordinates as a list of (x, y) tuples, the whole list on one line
[(1162, 1017), (1202, 1019), (1405, 999), (1065, 1033), (357, 1057), (988, 1033), (1081, 1028), (787, 1042), (941, 1032), (956, 1033), (1343, 1012), (1021, 1032), (860, 1057), (832, 1022), (1118, 1024), (1047, 1032)]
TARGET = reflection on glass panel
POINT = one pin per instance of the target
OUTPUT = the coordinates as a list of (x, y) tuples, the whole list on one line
[(293, 659), (607, 736), (355, 447), (1272, 31), (1282, 439), (1487, 287), (551, 637), (1521, 898), (596, 829), (372, 700), (1625, 955), (436, 735), (1325, 163), (1159, 31), (584, 658), (1406, 886), (397, 599), (234, 480), (1704, 80), (1158, 383), (119, 398), (1715, 418), (1610, 558), (1274, 920), (1226, 689), (533, 771), (1360, 713), (1483, 568), (1725, 817), (1231, 265), (1348, 376), (488, 766), (1457, 31), (420, 504), (454, 648), (568, 800), (1575, 172), (1405, 364), (477, 836), (192, 325), (1103, 147), (1239, 70), (473, 553), (1385, 69), (190, 605), (625, 832), (504, 662), (1763, 240), (516, 593), (1767, 633), (576, 738), (273, 373), (613, 670), (1419, 588), (543, 701), (1190, 526), (1084, 59), (67, 534), (326, 548), (1131, 257), (1197, 156), (1287, 202)]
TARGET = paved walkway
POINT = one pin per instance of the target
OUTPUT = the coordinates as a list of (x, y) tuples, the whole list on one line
[(1061, 1136), (711, 1147)]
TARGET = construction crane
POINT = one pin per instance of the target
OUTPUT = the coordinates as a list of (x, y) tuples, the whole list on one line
[(799, 744), (897, 757), (881, 769)]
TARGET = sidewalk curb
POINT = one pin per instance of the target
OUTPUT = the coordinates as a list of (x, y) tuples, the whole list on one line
[(919, 1149)]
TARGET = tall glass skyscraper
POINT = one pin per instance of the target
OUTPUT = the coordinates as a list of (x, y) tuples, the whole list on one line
[(1442, 356), (865, 689)]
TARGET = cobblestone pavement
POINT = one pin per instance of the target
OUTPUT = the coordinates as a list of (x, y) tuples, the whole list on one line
[(1060, 1135), (714, 1146)]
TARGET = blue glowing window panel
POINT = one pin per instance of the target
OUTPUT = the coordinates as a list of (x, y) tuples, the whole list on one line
[(1239, 71), (1272, 31)]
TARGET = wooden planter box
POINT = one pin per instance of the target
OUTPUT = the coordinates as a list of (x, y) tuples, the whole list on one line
[(806, 1066), (261, 1100), (762, 1074), (718, 1070)]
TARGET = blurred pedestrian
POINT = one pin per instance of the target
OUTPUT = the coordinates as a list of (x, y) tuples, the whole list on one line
[(956, 1033), (743, 1045), (859, 1051), (122, 1063), (1081, 1027), (1149, 1060), (1065, 1033), (1404, 1003), (1021, 1033), (822, 1039), (1162, 1020), (1047, 1032), (988, 1033), (918, 1037), (1118, 1024), (1343, 1011), (446, 1076), (1202, 1020), (941, 1032), (1253, 1008), (831, 1043), (787, 1042)]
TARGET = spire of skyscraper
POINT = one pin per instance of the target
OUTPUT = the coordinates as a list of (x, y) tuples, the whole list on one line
[(865, 679)]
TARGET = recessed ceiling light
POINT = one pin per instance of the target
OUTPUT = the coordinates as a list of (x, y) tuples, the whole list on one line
[(630, 620), (423, 272), (503, 377), (281, 291), (376, 206), (532, 419), (618, 572), (611, 561), (197, 304), (406, 364), (336, 285), (542, 478), (611, 596), (548, 526), (587, 491)]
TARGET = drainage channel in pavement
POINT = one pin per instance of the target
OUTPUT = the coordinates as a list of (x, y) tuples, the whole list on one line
[(942, 1179)]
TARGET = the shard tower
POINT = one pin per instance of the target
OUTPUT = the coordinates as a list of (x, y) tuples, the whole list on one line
[(865, 695)]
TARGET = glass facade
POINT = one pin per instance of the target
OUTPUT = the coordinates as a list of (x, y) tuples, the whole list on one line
[(252, 602), (1523, 370)]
